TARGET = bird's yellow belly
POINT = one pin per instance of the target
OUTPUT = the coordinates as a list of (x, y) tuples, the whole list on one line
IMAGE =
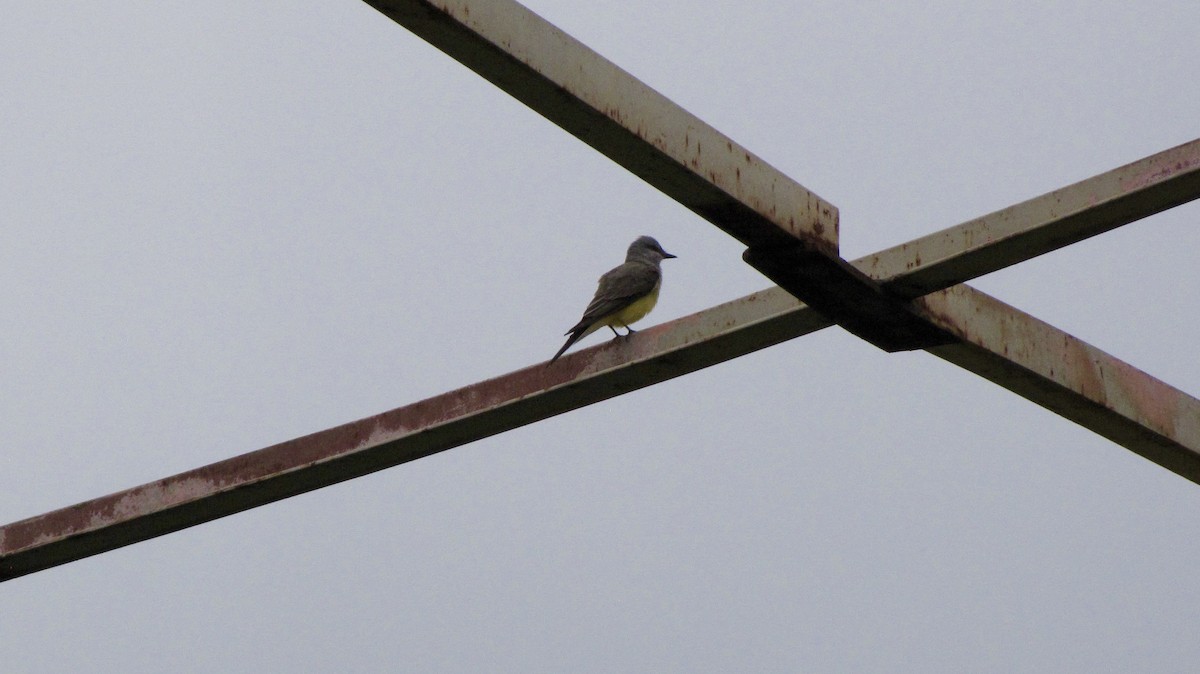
[(636, 311)]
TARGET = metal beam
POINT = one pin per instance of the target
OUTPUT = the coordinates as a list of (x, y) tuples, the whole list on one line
[(591, 375), (1040, 225), (845, 294), (1068, 377), (674, 151), (982, 245), (791, 234), (403, 434), (634, 125)]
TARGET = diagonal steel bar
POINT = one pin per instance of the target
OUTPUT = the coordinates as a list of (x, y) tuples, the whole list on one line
[(634, 125), (656, 354), (1042, 224), (791, 234), (1068, 377), (403, 434), (986, 244), (591, 375)]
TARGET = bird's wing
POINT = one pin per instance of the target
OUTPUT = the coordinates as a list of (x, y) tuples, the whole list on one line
[(619, 288)]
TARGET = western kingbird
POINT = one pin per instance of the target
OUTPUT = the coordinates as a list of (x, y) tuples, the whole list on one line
[(625, 295)]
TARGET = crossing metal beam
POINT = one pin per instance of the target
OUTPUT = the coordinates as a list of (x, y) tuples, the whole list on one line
[(791, 235), (984, 336), (403, 434), (634, 125), (1040, 225), (1068, 377)]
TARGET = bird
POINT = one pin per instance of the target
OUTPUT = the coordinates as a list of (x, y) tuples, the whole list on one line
[(625, 294)]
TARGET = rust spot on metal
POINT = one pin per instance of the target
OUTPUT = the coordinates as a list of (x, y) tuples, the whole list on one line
[(1174, 163), (1154, 405)]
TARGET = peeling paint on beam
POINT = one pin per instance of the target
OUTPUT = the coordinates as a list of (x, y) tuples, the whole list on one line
[(1068, 377), (403, 434), (1040, 225), (634, 125)]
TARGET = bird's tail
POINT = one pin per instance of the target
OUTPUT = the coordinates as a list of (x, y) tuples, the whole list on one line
[(574, 337)]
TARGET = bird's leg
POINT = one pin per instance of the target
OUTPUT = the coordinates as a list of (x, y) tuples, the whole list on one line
[(627, 334), (615, 333)]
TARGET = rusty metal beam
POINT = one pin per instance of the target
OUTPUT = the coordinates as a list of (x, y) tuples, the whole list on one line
[(591, 375), (791, 234), (782, 223), (1039, 225), (980, 246), (1001, 344), (1068, 377), (634, 125), (845, 294), (403, 434)]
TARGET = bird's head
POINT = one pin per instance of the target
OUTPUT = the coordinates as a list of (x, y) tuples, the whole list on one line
[(647, 249)]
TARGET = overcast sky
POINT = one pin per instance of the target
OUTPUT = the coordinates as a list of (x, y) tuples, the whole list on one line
[(228, 224)]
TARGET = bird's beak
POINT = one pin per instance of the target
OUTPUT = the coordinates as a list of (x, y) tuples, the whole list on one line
[(667, 255)]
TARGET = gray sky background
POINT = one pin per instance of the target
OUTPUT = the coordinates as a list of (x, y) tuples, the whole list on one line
[(228, 224)]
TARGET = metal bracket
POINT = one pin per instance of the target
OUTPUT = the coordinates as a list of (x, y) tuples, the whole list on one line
[(846, 296)]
